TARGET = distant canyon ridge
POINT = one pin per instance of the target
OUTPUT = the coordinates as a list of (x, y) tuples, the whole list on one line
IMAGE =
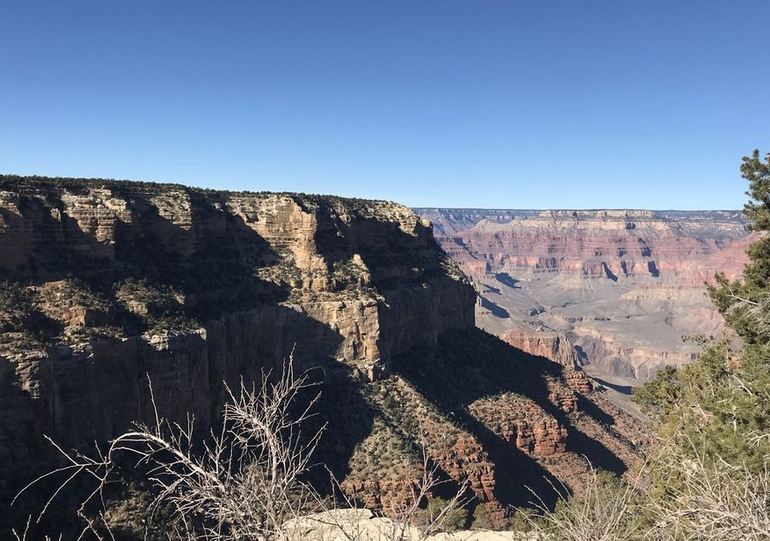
[(612, 290)]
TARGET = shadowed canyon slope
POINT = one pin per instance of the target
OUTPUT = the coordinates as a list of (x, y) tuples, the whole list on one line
[(612, 290), (106, 285)]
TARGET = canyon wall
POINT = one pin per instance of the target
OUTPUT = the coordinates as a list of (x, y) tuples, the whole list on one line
[(112, 293), (191, 288), (615, 290)]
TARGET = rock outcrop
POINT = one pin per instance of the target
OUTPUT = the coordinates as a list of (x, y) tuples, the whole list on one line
[(545, 343), (190, 288), (363, 525)]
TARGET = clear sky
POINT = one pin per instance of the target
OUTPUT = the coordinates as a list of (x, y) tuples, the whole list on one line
[(476, 103)]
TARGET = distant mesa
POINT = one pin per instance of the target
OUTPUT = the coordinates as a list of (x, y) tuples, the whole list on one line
[(621, 286)]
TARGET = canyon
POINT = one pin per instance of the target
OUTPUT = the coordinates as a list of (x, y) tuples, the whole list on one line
[(112, 292), (615, 291)]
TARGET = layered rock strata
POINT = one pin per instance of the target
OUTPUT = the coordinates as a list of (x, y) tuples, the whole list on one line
[(113, 292), (613, 289), (189, 288)]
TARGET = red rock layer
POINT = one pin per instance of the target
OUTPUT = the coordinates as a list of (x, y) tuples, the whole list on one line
[(599, 244)]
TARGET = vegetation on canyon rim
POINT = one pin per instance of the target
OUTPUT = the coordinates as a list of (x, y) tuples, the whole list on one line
[(721, 403), (708, 479)]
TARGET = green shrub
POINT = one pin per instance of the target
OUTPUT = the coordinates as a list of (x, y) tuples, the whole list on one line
[(444, 515)]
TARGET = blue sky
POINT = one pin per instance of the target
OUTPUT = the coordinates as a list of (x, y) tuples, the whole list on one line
[(484, 103)]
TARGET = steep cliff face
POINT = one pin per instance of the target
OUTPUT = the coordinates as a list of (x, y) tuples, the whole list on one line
[(108, 287), (190, 288), (614, 290), (549, 344)]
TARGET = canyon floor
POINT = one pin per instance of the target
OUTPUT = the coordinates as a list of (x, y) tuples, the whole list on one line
[(617, 292)]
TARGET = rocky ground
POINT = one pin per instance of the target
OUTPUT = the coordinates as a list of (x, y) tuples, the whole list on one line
[(362, 525)]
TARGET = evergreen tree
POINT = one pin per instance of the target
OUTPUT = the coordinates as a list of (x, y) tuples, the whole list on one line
[(719, 406)]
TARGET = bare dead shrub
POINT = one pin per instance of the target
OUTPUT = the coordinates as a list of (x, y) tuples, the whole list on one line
[(244, 482), (24, 534)]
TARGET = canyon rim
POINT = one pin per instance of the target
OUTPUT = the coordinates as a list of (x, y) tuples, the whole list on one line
[(108, 284)]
